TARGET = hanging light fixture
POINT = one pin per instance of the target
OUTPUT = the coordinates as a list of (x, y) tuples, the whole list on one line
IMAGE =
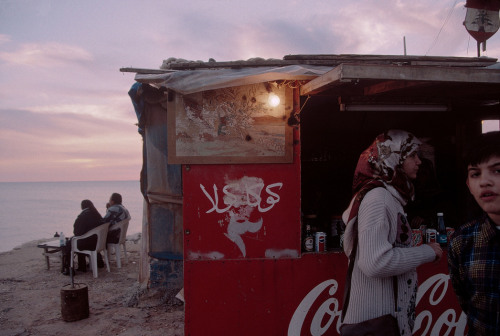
[(273, 100)]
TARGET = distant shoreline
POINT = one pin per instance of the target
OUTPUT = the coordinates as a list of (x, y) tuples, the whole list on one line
[(134, 237), (33, 210), (70, 181)]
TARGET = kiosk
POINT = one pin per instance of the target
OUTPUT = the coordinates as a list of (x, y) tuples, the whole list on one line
[(239, 156)]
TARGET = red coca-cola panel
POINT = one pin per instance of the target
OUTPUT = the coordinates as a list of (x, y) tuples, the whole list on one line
[(438, 311), (244, 273), (297, 297), (242, 211)]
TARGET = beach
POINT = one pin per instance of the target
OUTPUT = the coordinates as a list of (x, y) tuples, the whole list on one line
[(30, 298)]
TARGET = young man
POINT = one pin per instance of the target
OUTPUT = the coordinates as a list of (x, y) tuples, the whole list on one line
[(474, 251)]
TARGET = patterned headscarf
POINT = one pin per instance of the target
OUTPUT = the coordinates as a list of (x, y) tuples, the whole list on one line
[(380, 165), (383, 161)]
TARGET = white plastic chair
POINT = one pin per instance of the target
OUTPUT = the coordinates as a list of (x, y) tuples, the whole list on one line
[(123, 226), (102, 232)]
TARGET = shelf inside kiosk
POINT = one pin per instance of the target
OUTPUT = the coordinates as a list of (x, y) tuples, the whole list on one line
[(332, 140)]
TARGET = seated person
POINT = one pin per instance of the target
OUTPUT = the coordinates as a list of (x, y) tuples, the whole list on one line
[(115, 213), (87, 220)]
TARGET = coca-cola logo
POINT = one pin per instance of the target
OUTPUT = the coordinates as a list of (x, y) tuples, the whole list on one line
[(436, 292), (436, 315), (328, 310)]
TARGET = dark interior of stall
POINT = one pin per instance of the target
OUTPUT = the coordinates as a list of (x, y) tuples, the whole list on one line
[(332, 140)]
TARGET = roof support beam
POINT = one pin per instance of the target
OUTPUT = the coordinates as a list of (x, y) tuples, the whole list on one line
[(390, 86), (357, 72)]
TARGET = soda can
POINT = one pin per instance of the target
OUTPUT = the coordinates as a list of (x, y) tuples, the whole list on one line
[(416, 237), (320, 241), (431, 236), (449, 232)]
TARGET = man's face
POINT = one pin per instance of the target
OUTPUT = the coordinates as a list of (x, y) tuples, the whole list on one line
[(483, 181)]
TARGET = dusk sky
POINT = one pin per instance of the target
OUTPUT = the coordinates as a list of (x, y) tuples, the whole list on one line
[(64, 110)]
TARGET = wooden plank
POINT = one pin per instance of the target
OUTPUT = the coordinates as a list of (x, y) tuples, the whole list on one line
[(392, 58), (356, 72), (321, 83), (230, 64), (146, 71), (476, 63), (388, 86), (418, 73)]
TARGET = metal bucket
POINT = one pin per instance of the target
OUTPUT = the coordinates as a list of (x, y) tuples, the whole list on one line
[(74, 302)]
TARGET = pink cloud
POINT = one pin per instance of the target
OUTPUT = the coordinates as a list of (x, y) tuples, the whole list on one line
[(46, 55)]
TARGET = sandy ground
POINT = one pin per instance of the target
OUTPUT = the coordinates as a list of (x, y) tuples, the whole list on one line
[(30, 299)]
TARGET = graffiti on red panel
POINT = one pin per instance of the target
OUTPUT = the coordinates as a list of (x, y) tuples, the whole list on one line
[(319, 311), (239, 200)]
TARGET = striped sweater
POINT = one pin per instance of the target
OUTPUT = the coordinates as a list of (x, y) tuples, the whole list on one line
[(384, 251)]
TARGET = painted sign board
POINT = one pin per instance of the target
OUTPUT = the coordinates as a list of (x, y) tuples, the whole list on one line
[(243, 124), (482, 19), (481, 23)]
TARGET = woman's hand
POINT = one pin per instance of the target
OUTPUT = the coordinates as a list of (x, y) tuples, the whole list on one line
[(438, 250)]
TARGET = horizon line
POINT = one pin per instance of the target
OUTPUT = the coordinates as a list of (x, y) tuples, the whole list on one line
[(70, 181)]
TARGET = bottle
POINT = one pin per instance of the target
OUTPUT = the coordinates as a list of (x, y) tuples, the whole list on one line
[(341, 234), (335, 239), (442, 239), (62, 240), (336, 231), (308, 239)]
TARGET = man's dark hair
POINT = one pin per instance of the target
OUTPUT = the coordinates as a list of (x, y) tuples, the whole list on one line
[(117, 198), (483, 148)]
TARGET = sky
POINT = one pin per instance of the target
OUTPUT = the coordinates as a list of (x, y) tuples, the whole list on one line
[(65, 114)]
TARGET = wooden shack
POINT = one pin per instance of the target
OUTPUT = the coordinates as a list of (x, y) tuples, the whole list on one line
[(239, 155)]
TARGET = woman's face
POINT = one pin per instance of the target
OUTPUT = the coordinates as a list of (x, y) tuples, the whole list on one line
[(410, 165)]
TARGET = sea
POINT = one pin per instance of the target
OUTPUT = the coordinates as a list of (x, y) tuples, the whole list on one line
[(31, 211)]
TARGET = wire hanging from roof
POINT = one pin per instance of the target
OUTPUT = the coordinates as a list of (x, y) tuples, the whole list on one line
[(441, 29)]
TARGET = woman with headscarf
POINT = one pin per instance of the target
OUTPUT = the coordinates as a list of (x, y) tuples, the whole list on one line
[(382, 187)]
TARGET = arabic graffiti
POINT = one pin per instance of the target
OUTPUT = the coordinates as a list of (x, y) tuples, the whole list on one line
[(240, 198), (243, 192)]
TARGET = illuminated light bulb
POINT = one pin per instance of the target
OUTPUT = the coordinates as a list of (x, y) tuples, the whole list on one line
[(273, 100)]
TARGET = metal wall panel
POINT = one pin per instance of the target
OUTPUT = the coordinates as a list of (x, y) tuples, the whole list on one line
[(164, 189), (242, 211), (298, 297)]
